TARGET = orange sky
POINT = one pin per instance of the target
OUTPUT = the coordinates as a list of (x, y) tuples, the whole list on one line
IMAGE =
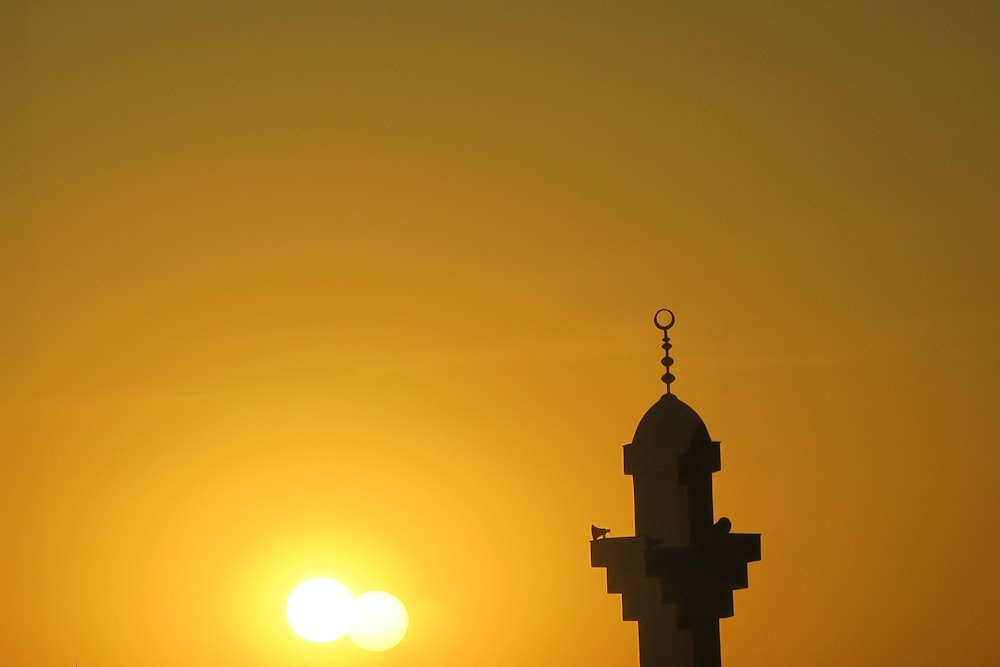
[(364, 290)]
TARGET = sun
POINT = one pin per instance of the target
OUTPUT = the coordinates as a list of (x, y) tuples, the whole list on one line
[(381, 621), (321, 610)]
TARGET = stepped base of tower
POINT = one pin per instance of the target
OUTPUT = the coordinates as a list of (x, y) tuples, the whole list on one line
[(661, 643)]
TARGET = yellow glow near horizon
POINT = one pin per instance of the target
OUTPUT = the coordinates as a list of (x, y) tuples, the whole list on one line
[(320, 610), (381, 622)]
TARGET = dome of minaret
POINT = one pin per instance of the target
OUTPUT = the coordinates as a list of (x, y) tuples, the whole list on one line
[(670, 424)]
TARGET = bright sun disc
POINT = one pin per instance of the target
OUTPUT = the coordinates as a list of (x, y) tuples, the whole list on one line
[(320, 610), (381, 621)]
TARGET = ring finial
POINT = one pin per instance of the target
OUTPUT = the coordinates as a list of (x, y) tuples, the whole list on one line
[(656, 319), (667, 362)]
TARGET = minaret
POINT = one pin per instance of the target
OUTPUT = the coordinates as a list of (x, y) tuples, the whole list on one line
[(677, 573)]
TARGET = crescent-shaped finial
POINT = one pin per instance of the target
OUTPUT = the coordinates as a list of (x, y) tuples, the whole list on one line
[(656, 319), (667, 362)]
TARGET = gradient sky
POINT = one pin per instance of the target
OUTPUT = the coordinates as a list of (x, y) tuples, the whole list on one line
[(363, 290)]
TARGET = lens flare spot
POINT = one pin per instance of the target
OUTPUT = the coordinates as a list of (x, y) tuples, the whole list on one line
[(381, 621)]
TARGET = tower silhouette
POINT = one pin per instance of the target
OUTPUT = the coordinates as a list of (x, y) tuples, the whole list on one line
[(677, 574)]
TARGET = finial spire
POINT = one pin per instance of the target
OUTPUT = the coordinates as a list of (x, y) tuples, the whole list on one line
[(667, 362)]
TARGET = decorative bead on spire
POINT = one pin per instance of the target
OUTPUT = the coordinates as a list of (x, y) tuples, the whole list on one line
[(667, 361)]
